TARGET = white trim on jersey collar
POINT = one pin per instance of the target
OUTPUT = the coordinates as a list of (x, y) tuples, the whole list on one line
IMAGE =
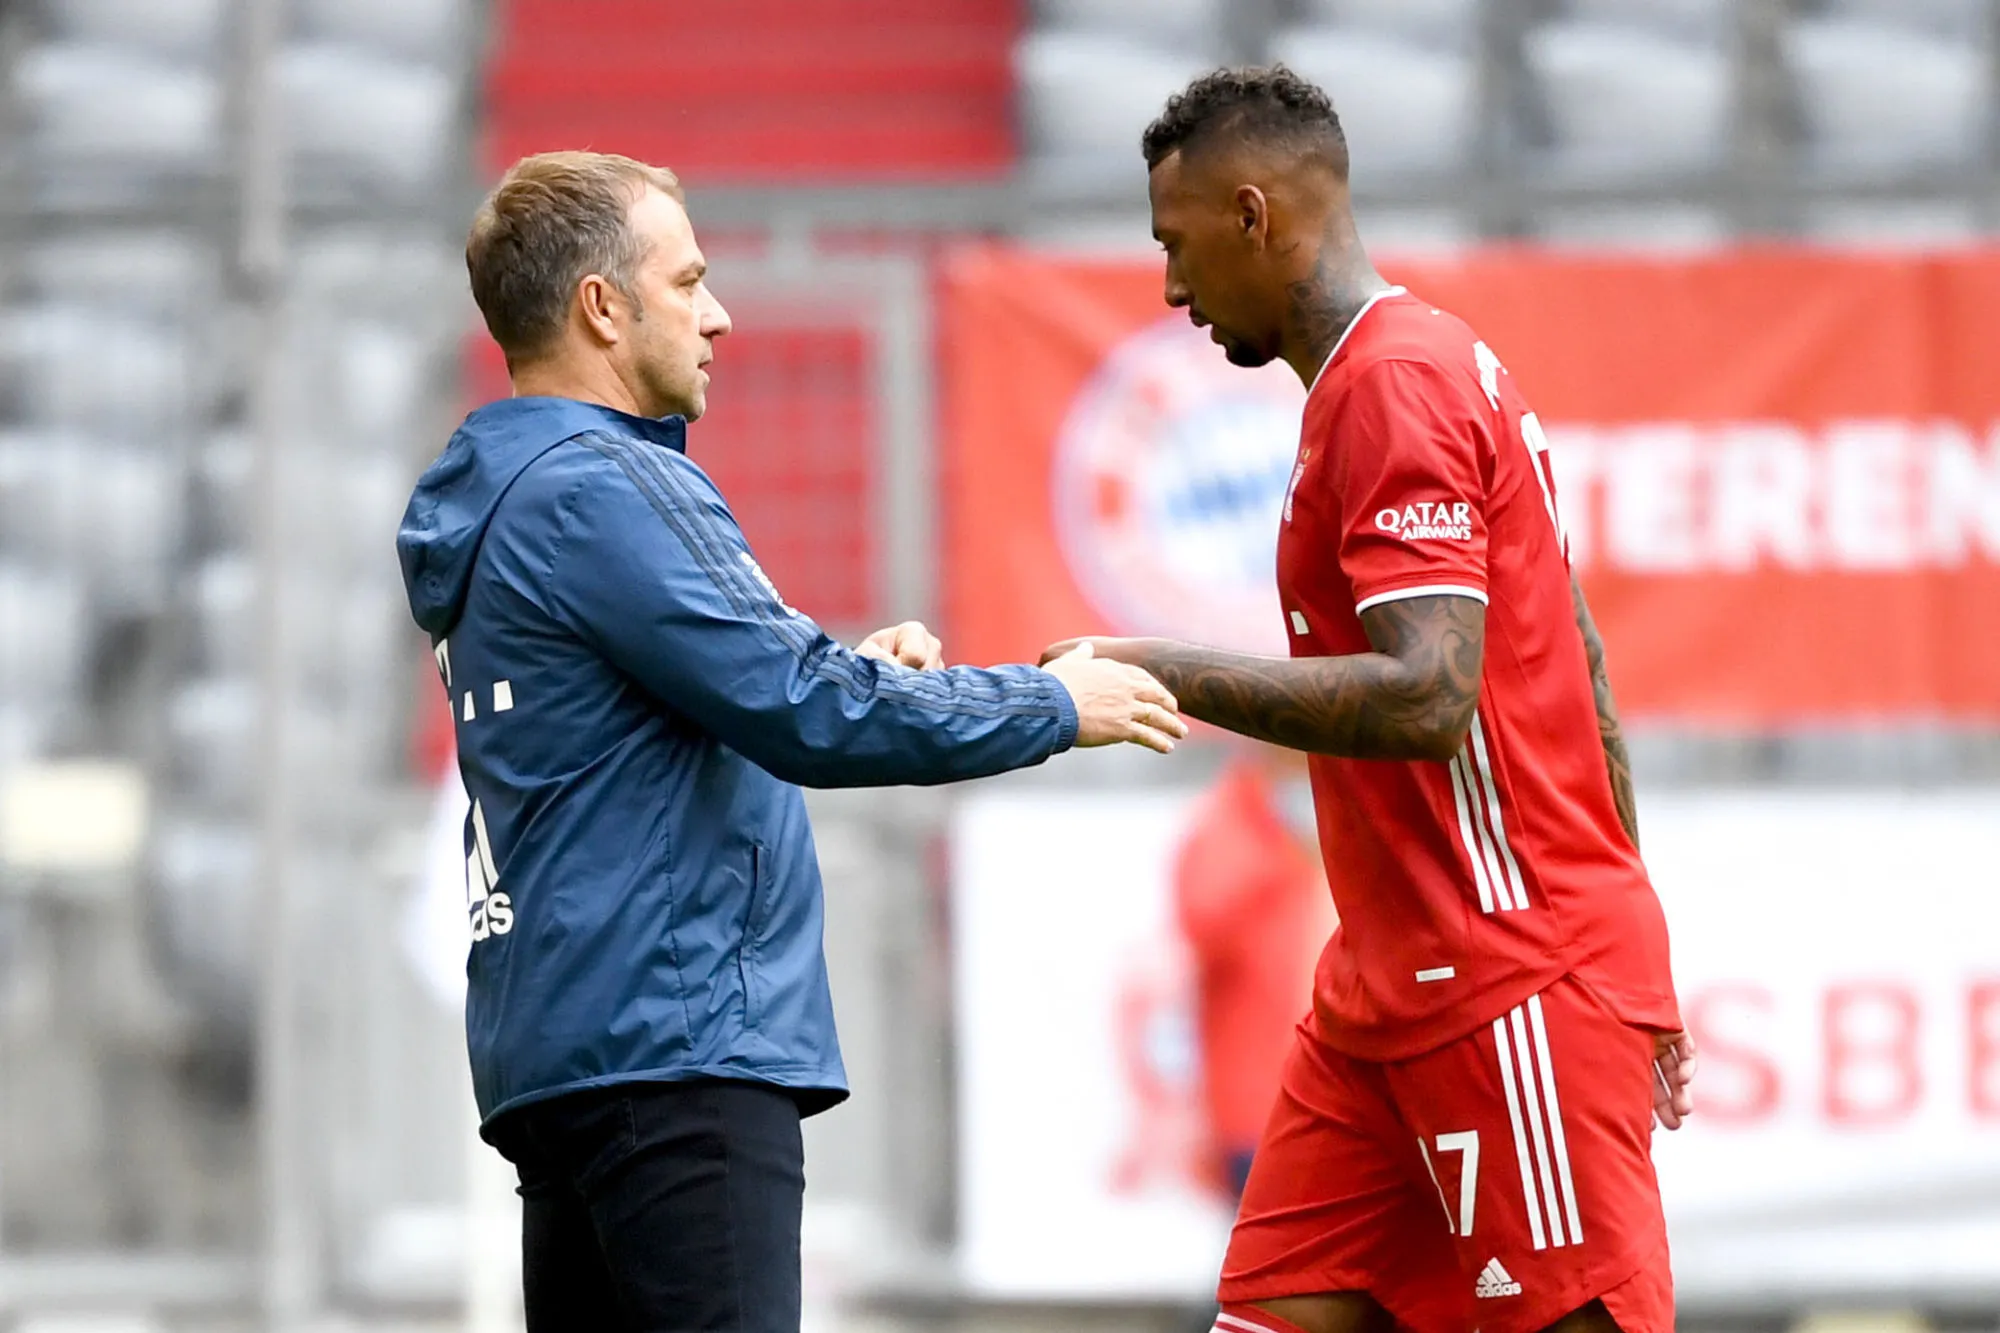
[(1352, 324)]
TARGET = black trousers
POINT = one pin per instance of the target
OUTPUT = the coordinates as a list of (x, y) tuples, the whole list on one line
[(659, 1208)]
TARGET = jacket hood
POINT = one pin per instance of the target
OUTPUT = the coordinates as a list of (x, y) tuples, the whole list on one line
[(457, 496)]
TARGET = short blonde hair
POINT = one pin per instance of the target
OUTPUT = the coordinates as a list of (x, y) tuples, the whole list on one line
[(553, 219)]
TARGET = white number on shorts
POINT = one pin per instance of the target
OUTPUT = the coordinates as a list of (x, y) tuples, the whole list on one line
[(1466, 1143)]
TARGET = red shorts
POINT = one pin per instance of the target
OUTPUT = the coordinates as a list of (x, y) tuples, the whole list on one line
[(1497, 1183)]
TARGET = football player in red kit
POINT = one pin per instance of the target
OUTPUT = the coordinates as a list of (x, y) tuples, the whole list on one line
[(1462, 1138)]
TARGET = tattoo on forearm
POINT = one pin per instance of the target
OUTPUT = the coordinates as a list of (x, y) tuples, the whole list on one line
[(1617, 762), (1412, 698)]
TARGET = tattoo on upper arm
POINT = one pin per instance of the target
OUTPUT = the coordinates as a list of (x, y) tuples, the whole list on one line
[(1412, 698), (1617, 762)]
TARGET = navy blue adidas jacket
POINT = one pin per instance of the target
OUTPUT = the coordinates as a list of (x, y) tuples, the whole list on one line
[(636, 709)]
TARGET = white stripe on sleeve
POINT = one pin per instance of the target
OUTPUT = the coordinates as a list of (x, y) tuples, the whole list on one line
[(1428, 590)]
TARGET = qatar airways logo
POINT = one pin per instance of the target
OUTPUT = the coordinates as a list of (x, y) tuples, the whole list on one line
[(1428, 521)]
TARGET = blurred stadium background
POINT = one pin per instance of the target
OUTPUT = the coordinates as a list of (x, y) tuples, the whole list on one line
[(233, 327)]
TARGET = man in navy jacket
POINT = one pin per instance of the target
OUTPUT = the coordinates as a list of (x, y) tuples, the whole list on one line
[(647, 1008)]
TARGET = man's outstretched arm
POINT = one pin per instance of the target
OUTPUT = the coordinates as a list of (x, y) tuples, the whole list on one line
[(1411, 698), (1617, 762)]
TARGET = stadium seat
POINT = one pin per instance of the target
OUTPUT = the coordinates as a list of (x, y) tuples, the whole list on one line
[(1406, 107), (353, 111), (1705, 20), (1880, 96), (1892, 225), (432, 30), (97, 105), (354, 267), (163, 273), (358, 627), (225, 612), (133, 501), (1417, 231), (1625, 101), (219, 512), (24, 492), (324, 463), (23, 731), (776, 90), (383, 387), (204, 874), (1961, 18), (1433, 22), (46, 508), (44, 629), (212, 733), (1092, 94), (111, 513), (1657, 229), (1194, 25), (186, 29), (80, 365)]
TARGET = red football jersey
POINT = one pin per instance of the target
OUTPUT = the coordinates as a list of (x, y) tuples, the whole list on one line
[(1462, 887)]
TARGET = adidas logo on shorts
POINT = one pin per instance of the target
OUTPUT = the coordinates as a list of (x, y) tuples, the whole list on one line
[(1495, 1280)]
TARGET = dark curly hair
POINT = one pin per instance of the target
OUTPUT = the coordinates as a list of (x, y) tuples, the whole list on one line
[(1261, 102)]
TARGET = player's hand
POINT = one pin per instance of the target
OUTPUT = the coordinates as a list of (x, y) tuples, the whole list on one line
[(1674, 1063), (908, 644), (1116, 702), (1100, 645)]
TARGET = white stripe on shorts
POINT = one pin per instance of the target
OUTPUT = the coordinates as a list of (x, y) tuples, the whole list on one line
[(1538, 1129), (1528, 1077), (1509, 1083), (1554, 1108)]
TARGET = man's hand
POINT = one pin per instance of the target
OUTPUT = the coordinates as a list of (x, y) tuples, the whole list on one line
[(1413, 697), (1674, 1061), (1099, 645), (908, 644), (1116, 702)]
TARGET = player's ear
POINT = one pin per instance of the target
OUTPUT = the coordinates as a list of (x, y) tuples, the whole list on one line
[(1253, 214), (595, 298)]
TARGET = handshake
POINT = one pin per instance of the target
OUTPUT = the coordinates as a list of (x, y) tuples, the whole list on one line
[(1114, 702)]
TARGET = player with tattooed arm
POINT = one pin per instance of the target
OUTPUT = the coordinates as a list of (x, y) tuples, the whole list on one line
[(1462, 1138)]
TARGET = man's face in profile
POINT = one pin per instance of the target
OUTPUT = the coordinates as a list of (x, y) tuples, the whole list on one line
[(670, 334)]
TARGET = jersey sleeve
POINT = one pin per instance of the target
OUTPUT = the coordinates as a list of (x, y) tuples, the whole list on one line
[(1412, 488)]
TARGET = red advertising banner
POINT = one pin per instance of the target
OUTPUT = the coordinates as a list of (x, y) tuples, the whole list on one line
[(1780, 468)]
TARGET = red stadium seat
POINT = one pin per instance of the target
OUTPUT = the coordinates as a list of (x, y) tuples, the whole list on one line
[(762, 91)]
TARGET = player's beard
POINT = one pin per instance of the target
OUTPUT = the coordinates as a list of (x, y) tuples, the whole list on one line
[(1244, 354)]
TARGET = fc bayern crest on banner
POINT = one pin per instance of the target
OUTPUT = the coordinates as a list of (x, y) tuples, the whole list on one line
[(1170, 473)]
